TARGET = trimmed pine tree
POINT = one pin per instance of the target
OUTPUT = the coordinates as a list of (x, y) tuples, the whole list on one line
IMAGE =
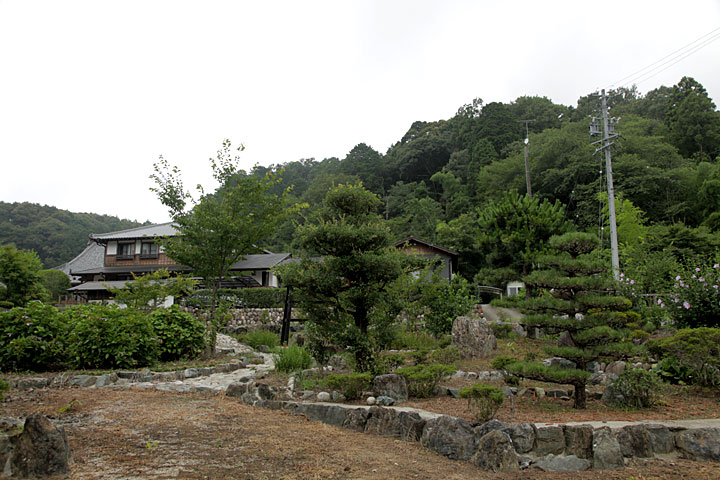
[(571, 294)]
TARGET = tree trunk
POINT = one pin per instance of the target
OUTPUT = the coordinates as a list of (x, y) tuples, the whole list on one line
[(580, 395)]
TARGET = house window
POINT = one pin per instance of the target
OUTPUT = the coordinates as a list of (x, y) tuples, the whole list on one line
[(126, 251), (149, 250), (265, 279)]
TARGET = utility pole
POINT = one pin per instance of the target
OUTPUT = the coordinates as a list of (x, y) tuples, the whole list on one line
[(608, 132), (527, 162)]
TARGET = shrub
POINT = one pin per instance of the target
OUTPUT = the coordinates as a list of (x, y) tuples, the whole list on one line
[(447, 355), (255, 338), (423, 379), (391, 361), (264, 297), (637, 388), (502, 330), (446, 303), (697, 349), (695, 301), (180, 333), (483, 399), (110, 337), (32, 338), (671, 370), (414, 340), (292, 358), (351, 384)]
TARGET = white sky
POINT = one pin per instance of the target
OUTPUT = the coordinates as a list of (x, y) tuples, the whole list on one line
[(91, 93)]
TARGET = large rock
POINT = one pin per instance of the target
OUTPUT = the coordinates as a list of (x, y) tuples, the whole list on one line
[(356, 419), (41, 450), (522, 436), (616, 368), (391, 385), (330, 414), (578, 440), (606, 450), (549, 440), (391, 423), (495, 453), (662, 440), (473, 336), (699, 444), (570, 463), (450, 436), (634, 441)]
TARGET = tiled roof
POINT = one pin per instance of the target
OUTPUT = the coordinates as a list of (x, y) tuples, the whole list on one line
[(156, 230), (260, 261), (411, 240), (92, 257)]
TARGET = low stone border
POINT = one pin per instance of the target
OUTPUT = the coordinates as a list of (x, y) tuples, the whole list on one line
[(122, 377), (505, 447)]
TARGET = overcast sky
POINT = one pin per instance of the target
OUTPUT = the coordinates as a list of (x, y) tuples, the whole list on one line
[(91, 93)]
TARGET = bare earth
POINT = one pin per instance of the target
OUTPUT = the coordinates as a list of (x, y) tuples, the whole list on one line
[(129, 434)]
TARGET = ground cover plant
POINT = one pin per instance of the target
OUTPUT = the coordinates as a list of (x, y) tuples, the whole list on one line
[(292, 358)]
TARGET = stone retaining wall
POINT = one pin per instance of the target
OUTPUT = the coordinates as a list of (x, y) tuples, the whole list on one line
[(245, 318), (498, 446)]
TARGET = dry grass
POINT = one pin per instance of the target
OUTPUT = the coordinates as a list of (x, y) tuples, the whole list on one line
[(130, 434)]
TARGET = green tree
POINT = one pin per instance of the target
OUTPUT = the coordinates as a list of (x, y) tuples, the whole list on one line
[(342, 292), (693, 122), (221, 227), (577, 300), (55, 282), (514, 230), (19, 277), (149, 291)]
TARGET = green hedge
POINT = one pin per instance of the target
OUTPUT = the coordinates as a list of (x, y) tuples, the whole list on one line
[(261, 297)]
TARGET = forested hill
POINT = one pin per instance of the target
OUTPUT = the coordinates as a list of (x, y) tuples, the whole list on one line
[(441, 175), (56, 235)]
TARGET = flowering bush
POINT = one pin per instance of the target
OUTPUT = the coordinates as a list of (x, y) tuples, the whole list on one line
[(695, 301), (109, 337), (31, 338)]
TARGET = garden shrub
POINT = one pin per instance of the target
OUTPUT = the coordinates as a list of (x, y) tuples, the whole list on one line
[(671, 370), (4, 387), (637, 388), (483, 399), (695, 301), (447, 355), (391, 361), (181, 335), (423, 379), (292, 358), (255, 338), (414, 340), (32, 338), (350, 384), (447, 302), (103, 336), (697, 349), (260, 297)]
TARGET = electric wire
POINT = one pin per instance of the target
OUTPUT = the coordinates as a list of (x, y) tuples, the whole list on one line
[(669, 60)]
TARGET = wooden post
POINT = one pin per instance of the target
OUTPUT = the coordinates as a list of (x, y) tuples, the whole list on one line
[(287, 313)]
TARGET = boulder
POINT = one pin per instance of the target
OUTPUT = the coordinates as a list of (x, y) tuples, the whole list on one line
[(356, 419), (41, 449), (616, 368), (330, 414), (634, 441), (495, 453), (390, 423), (323, 397), (522, 436), (606, 450), (338, 362), (384, 400), (391, 385), (570, 463), (473, 336), (487, 427), (699, 444), (549, 439), (565, 340), (450, 436), (662, 440), (237, 389), (578, 440)]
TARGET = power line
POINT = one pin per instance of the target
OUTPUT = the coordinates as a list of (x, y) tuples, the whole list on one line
[(682, 52)]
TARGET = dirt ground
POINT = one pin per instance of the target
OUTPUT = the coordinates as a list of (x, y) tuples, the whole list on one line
[(138, 434)]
